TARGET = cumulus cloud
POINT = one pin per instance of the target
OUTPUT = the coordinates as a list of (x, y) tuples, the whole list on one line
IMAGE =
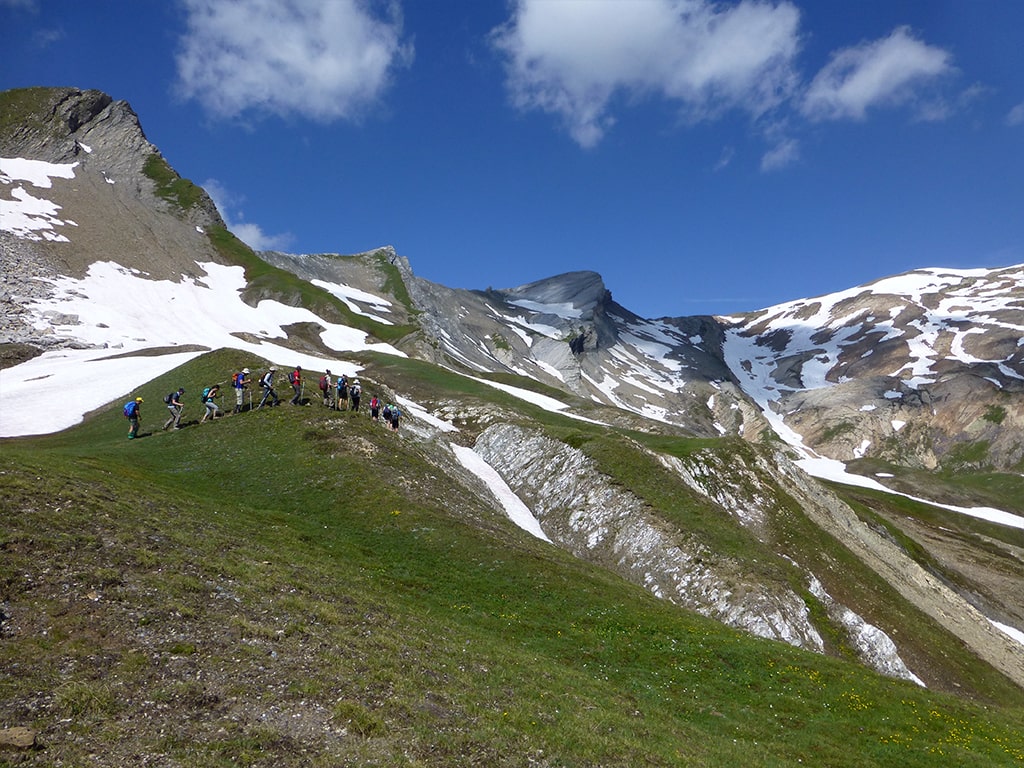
[(251, 234), (1016, 115), (320, 60), (572, 58), (878, 73)]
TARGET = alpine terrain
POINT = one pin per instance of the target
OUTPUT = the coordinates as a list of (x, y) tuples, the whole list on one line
[(791, 536)]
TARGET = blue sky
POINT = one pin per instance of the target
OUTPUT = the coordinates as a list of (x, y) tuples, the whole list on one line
[(705, 158)]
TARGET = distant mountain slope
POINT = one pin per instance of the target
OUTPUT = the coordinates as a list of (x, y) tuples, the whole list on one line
[(924, 368)]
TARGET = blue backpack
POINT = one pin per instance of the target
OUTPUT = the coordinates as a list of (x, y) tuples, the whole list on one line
[(129, 409)]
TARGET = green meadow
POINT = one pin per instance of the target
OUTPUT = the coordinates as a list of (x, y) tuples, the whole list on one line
[(301, 587)]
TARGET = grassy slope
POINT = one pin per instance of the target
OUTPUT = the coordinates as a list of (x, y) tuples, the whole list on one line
[(292, 587)]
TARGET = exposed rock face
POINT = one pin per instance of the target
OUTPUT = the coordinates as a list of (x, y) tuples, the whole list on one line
[(584, 512)]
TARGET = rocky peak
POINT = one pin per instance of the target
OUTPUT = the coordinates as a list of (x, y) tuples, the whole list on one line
[(52, 123), (583, 291)]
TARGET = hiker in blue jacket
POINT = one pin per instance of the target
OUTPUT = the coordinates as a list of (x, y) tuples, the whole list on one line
[(342, 401), (240, 381), (133, 412), (175, 406)]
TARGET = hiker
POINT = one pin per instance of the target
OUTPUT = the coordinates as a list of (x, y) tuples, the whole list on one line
[(395, 414), (342, 392), (374, 409), (175, 406), (267, 383), (295, 379), (133, 412), (240, 381), (326, 388), (211, 405), (354, 393)]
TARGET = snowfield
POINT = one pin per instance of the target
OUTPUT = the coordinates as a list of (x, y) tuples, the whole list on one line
[(123, 315)]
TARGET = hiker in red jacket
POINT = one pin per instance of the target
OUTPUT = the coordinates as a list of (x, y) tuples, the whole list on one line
[(295, 379)]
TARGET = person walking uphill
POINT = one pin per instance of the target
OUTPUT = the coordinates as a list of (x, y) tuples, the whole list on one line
[(175, 406), (133, 412), (354, 393), (209, 395), (295, 379), (267, 383), (240, 381)]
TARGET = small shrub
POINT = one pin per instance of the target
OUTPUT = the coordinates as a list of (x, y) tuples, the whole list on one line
[(995, 414)]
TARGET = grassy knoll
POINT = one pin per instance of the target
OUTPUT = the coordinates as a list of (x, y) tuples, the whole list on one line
[(295, 587)]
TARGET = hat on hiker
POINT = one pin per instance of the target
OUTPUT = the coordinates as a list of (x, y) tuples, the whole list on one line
[(245, 370), (138, 400)]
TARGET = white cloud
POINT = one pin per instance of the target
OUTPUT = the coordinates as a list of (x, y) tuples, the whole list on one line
[(1016, 115), (728, 153), (572, 58), (234, 219), (323, 60), (877, 73), (785, 153)]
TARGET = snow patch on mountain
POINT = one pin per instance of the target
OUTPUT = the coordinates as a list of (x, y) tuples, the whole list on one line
[(23, 214), (119, 313), (514, 507)]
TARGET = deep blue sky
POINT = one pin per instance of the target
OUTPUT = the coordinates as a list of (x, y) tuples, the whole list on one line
[(703, 158)]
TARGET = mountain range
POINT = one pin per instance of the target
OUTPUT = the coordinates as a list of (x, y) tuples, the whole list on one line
[(844, 473)]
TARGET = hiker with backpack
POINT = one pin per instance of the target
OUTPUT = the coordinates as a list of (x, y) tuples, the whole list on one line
[(240, 381), (267, 383), (175, 406), (133, 412), (374, 408), (295, 379), (395, 414), (211, 404), (354, 392), (342, 401), (326, 388)]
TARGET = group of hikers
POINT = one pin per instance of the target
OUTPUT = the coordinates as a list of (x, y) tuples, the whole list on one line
[(338, 394)]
